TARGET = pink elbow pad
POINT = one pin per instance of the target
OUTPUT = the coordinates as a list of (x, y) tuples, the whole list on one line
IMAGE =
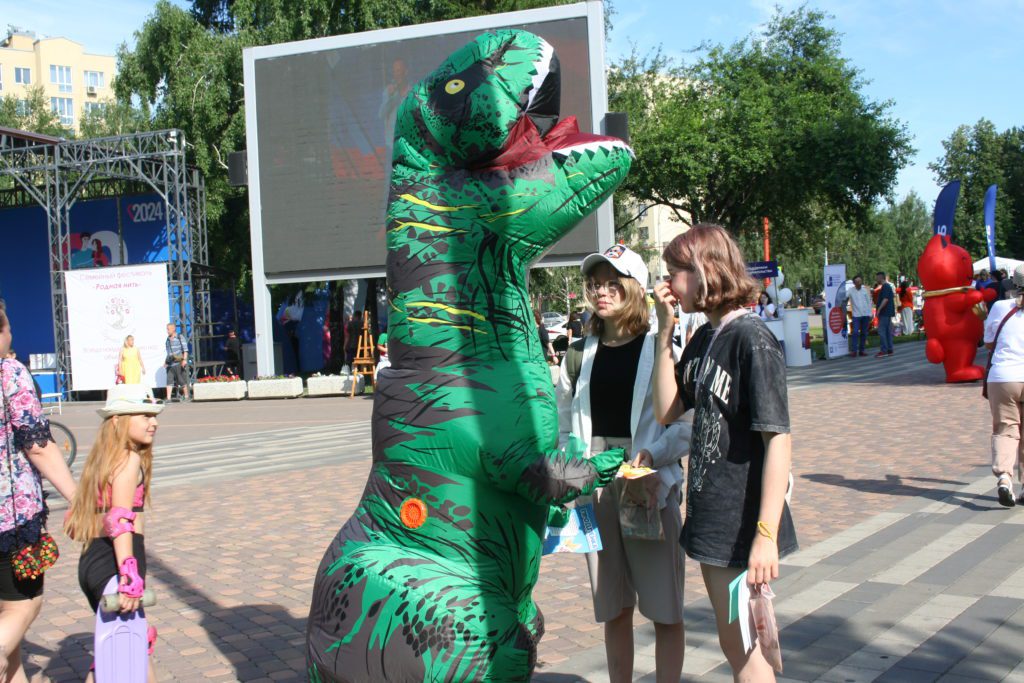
[(118, 521), (135, 586)]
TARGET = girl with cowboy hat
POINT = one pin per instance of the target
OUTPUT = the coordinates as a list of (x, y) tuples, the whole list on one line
[(107, 512)]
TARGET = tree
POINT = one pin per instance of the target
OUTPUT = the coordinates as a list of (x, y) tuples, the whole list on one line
[(774, 125), (980, 156), (186, 67), (889, 238), (115, 118), (33, 113)]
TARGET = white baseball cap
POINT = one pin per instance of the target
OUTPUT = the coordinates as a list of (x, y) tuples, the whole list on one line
[(1018, 277), (130, 399), (623, 259)]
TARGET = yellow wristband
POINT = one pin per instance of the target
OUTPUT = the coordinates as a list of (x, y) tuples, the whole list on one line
[(763, 529)]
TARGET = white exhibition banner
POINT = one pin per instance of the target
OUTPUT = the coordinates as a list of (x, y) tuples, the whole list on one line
[(835, 311), (105, 305)]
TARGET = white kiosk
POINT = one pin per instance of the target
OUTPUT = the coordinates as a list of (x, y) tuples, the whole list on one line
[(791, 326)]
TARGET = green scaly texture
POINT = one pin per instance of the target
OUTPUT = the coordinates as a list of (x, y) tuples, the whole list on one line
[(464, 420)]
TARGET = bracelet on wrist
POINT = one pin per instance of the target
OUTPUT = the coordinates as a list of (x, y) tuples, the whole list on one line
[(765, 531)]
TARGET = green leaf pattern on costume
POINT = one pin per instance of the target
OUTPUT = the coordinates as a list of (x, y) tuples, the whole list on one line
[(464, 420)]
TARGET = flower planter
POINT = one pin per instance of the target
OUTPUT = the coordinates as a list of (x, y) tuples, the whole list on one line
[(288, 387), (333, 385), (218, 391)]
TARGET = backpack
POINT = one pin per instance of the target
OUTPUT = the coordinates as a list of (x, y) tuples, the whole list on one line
[(573, 361)]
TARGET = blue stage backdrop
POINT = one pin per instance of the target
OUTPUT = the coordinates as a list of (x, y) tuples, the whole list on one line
[(104, 232)]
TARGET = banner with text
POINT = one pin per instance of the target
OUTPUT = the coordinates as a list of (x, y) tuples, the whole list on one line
[(835, 311), (105, 305)]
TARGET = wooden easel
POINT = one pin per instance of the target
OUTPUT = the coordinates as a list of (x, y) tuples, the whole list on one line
[(363, 363)]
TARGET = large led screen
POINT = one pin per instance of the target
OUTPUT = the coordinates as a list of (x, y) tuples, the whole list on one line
[(324, 126)]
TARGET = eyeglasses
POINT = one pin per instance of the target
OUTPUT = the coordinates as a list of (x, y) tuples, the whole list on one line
[(611, 286)]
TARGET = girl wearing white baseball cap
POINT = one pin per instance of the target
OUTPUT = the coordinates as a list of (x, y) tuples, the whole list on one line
[(604, 397)]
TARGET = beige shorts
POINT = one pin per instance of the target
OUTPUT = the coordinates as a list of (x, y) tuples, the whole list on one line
[(629, 571)]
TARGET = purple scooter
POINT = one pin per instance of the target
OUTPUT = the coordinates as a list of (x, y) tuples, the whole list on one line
[(121, 641)]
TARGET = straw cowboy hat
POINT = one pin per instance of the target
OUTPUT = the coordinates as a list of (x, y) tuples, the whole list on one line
[(130, 399)]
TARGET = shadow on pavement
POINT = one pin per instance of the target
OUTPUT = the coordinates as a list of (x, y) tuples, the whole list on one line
[(892, 485), (75, 650), (258, 639)]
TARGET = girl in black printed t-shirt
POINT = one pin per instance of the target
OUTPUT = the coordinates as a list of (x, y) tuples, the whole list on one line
[(733, 376)]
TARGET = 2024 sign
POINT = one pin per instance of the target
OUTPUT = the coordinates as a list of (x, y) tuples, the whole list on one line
[(146, 212)]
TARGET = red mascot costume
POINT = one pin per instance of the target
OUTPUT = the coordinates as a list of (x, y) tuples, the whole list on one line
[(953, 327)]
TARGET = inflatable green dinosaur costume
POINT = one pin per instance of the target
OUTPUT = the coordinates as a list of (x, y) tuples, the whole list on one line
[(431, 579)]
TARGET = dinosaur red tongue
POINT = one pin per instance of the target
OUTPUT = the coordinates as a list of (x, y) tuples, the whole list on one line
[(525, 143)]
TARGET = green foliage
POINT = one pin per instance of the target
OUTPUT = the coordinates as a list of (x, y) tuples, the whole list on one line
[(775, 125), (32, 113), (556, 289), (888, 238), (980, 156), (115, 118)]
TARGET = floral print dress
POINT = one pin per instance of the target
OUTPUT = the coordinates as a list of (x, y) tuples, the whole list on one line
[(22, 424)]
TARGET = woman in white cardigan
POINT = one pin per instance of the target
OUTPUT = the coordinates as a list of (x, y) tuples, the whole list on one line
[(607, 403)]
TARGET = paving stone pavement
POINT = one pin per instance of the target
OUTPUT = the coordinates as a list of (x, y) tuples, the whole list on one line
[(903, 575)]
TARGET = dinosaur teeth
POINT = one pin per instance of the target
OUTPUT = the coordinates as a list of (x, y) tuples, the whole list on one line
[(593, 146)]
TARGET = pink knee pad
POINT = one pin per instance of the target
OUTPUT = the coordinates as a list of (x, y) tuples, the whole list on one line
[(118, 521), (135, 586), (151, 639)]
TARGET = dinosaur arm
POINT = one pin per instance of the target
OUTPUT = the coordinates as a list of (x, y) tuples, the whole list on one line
[(556, 476)]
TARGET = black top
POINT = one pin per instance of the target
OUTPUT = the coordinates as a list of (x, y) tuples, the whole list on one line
[(576, 327), (886, 300), (233, 349), (611, 387), (738, 392), (544, 337)]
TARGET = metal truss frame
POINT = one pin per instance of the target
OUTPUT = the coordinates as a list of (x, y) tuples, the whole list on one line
[(56, 174)]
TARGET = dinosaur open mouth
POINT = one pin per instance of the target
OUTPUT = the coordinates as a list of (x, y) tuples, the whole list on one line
[(525, 144)]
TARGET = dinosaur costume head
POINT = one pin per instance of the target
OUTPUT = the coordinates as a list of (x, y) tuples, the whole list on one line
[(432, 577), (484, 182)]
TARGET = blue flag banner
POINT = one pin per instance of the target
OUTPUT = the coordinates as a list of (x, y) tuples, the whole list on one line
[(945, 208), (763, 269), (990, 226)]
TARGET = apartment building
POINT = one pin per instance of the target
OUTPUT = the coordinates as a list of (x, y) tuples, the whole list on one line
[(74, 80), (657, 225)]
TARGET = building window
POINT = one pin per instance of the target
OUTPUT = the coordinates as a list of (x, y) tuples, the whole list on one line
[(61, 77), (94, 107), (21, 108), (22, 75), (94, 79), (65, 108)]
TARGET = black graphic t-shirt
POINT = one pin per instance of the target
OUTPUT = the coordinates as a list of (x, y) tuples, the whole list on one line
[(738, 392)]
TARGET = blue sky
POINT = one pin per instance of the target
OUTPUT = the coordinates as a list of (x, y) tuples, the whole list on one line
[(942, 62)]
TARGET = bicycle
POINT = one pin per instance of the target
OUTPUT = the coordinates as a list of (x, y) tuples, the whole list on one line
[(65, 441)]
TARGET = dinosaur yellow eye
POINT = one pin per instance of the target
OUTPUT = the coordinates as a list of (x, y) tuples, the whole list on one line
[(453, 86)]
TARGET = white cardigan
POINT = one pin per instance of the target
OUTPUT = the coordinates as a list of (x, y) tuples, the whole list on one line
[(667, 445)]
